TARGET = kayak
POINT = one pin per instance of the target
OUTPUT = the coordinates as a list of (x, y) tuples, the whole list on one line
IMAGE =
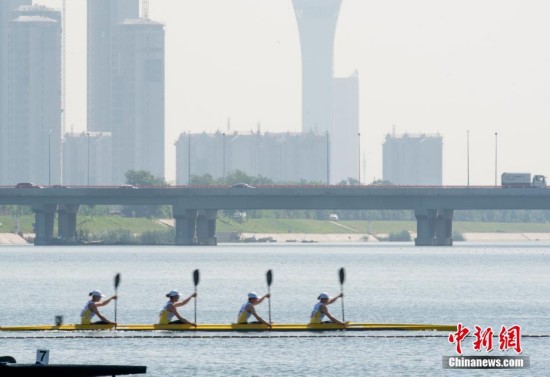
[(56, 328), (351, 326)]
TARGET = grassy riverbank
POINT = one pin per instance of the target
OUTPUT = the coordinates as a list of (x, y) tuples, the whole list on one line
[(100, 224), (96, 224)]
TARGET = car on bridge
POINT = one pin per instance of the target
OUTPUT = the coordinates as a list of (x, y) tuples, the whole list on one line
[(27, 185)]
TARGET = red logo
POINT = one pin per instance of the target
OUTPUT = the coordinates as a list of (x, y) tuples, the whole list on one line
[(484, 339), (507, 338), (458, 337), (510, 338)]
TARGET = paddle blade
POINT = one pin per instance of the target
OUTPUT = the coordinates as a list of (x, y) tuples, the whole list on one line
[(269, 277), (196, 277), (342, 275), (117, 281)]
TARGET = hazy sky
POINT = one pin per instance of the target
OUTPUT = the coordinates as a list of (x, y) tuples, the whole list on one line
[(425, 66)]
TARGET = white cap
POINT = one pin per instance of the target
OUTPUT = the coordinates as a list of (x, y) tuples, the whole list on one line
[(173, 293), (97, 293), (322, 296), (252, 295)]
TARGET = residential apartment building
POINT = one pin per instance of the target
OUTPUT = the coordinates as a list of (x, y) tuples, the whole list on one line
[(138, 98), (103, 18), (87, 159), (281, 157), (31, 136), (413, 159)]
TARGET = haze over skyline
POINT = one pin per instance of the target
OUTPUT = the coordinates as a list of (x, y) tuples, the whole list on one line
[(426, 66)]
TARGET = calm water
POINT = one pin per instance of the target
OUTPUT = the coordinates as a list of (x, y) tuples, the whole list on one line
[(485, 285)]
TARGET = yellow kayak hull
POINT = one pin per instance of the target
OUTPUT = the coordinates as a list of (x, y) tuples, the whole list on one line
[(351, 326), (56, 328)]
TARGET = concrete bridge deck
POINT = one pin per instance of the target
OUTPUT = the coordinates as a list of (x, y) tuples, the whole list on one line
[(195, 208)]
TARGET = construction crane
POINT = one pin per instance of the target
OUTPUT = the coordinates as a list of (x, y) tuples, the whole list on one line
[(145, 9)]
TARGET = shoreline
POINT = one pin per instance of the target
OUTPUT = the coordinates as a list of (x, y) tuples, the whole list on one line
[(14, 239), (355, 237)]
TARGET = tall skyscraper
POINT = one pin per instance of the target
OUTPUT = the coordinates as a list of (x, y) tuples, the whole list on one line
[(32, 134), (103, 16), (6, 8), (138, 98), (345, 140), (410, 159), (317, 25)]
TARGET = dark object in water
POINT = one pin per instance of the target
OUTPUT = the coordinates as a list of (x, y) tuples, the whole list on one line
[(9, 367)]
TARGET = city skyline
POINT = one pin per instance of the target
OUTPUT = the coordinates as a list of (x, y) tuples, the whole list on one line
[(427, 67)]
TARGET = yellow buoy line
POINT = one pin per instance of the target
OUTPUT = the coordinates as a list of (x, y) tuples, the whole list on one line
[(342, 334), (260, 336)]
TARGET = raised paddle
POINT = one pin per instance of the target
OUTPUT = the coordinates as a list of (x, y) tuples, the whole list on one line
[(196, 279), (117, 283), (269, 278), (342, 276)]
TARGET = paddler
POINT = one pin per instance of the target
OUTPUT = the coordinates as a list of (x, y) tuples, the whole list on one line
[(320, 310), (90, 309), (169, 310), (247, 309)]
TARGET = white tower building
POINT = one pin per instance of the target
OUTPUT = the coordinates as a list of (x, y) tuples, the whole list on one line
[(317, 25)]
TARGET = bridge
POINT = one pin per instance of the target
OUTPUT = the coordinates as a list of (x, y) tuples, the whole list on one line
[(195, 209)]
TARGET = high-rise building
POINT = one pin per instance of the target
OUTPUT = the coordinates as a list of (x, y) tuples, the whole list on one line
[(87, 159), (317, 25), (37, 10), (32, 134), (138, 98), (103, 16), (294, 158), (6, 9), (345, 138), (410, 159)]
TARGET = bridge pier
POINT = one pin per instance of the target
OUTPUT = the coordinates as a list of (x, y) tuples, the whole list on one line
[(425, 227), (44, 223), (434, 227), (206, 227), (185, 225), (66, 221), (444, 227)]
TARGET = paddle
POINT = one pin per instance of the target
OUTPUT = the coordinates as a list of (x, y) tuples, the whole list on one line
[(342, 276), (269, 278), (117, 283), (196, 279)]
